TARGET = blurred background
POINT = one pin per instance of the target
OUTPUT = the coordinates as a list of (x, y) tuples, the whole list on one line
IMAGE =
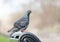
[(44, 19)]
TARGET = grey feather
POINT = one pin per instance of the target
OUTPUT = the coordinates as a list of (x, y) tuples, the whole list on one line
[(22, 23)]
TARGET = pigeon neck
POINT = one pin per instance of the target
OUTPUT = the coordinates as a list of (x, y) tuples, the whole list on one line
[(28, 17)]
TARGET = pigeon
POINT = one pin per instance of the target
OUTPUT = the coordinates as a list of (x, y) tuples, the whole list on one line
[(22, 23)]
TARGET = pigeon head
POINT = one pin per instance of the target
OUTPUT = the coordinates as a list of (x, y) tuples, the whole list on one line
[(28, 12)]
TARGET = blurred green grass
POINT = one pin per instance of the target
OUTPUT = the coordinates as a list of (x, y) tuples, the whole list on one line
[(6, 39), (3, 39)]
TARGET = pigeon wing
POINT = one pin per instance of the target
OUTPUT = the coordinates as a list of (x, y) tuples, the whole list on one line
[(21, 23)]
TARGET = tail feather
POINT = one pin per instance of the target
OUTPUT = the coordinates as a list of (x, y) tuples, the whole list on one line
[(10, 30)]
